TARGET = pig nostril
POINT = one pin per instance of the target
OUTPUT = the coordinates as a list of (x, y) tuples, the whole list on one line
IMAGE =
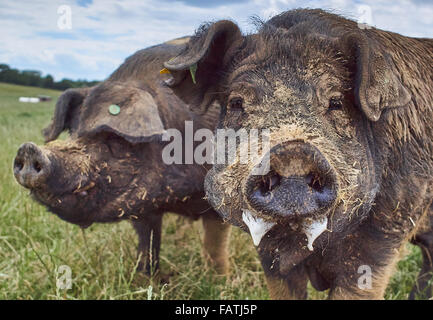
[(314, 182), (270, 182), (19, 165), (37, 166)]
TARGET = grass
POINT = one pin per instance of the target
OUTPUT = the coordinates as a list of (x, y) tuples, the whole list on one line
[(34, 242)]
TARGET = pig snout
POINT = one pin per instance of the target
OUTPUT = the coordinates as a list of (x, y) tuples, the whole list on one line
[(31, 165), (300, 183)]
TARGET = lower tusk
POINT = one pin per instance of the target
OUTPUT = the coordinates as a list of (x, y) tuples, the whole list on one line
[(257, 226), (313, 230)]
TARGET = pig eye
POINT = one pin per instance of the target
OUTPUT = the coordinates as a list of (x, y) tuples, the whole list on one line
[(335, 103), (236, 104)]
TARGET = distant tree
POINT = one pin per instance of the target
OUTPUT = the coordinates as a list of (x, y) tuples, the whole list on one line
[(32, 73), (10, 75), (48, 81), (64, 84), (31, 78), (34, 78), (3, 67)]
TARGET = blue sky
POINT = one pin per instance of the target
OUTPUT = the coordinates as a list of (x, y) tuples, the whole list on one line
[(105, 32)]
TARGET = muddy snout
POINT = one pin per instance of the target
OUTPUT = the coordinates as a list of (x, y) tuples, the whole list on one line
[(301, 183), (31, 166)]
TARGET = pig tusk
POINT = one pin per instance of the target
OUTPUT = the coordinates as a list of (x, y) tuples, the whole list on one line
[(313, 230), (257, 226)]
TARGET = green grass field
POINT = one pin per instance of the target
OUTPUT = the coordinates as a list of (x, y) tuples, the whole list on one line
[(34, 242)]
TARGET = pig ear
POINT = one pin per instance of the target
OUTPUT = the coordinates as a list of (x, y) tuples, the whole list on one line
[(65, 113), (206, 54), (377, 80), (136, 119)]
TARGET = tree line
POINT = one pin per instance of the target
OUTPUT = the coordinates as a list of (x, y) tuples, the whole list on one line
[(34, 78)]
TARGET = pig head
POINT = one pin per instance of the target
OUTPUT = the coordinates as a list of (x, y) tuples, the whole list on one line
[(350, 166)]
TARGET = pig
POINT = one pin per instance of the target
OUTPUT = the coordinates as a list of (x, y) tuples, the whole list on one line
[(111, 168), (349, 112)]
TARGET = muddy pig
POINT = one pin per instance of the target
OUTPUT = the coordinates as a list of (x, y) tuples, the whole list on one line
[(349, 114), (111, 168)]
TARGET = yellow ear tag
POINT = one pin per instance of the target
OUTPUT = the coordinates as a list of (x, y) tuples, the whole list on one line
[(163, 71)]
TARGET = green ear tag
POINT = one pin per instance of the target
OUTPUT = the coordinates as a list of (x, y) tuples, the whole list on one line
[(192, 70), (114, 109)]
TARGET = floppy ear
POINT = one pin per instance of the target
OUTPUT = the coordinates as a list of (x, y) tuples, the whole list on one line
[(66, 113), (129, 112), (201, 64), (377, 80)]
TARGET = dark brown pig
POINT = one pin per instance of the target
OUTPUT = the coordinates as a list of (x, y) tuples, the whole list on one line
[(349, 113), (111, 167)]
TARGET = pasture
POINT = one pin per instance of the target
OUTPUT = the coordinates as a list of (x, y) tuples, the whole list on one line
[(34, 242)]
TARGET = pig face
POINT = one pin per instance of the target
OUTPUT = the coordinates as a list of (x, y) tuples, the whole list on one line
[(320, 167), (107, 170), (317, 94)]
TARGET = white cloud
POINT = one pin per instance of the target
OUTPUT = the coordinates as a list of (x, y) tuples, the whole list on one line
[(105, 32)]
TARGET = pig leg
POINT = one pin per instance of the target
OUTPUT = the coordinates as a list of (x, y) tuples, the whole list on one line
[(149, 242), (290, 286), (424, 282), (278, 288), (216, 241)]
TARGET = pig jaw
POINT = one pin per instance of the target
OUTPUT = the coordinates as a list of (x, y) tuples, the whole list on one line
[(92, 183), (72, 197), (79, 189)]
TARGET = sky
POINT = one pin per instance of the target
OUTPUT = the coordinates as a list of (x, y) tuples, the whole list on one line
[(89, 39)]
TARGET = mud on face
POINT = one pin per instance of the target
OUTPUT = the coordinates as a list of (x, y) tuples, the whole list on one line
[(88, 180), (107, 170), (319, 157)]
